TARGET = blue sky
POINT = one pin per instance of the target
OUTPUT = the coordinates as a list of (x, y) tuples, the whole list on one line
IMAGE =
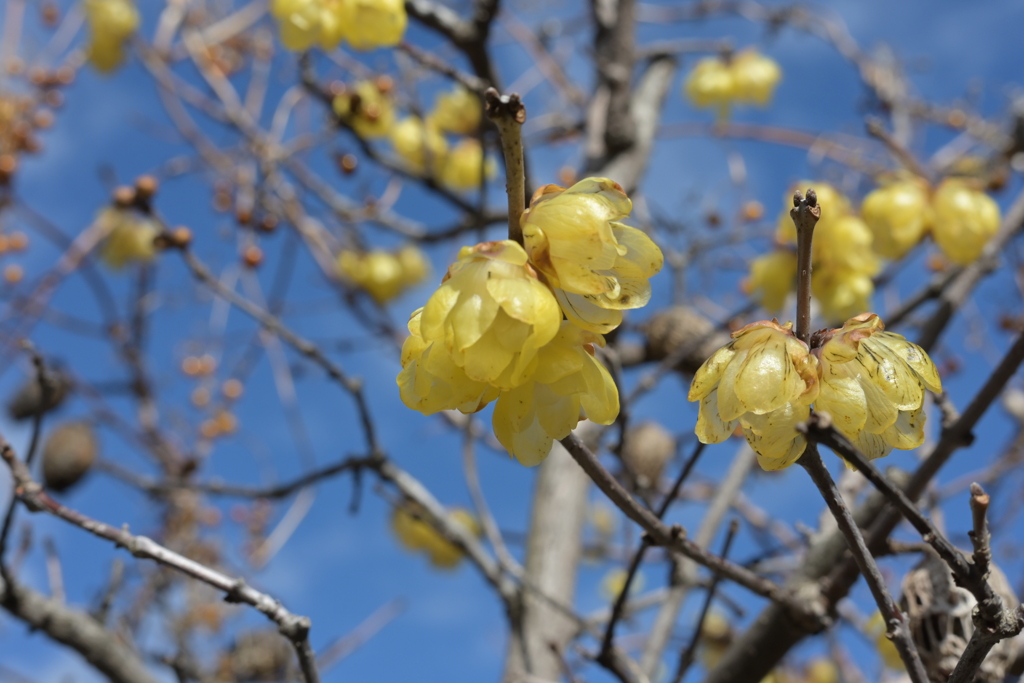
[(338, 568)]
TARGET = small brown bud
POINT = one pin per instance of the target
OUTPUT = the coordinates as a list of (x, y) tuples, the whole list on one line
[(17, 241), (191, 366), (268, 223), (124, 196), (753, 211), (209, 429), (54, 99), (13, 274), (243, 215), (336, 88), (181, 237), (38, 76), (51, 15), (567, 176), (252, 256), (146, 186), (227, 423), (200, 397), (65, 75), (232, 389), (42, 118), (207, 364), (348, 163), (956, 118), (15, 66), (68, 455), (385, 84)]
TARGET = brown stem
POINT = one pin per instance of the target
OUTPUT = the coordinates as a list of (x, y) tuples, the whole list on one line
[(805, 214), (899, 630), (509, 115)]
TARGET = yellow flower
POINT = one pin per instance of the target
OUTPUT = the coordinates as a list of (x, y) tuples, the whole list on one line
[(300, 22), (597, 265), (842, 292), (111, 23), (965, 220), (615, 580), (772, 278), (366, 110), (420, 145), (492, 314), (764, 380), (716, 635), (873, 384), (464, 166), (711, 84), (430, 381), (377, 272), (416, 534), (898, 215), (127, 238), (568, 383), (876, 629), (375, 23), (457, 111), (755, 77), (415, 265)]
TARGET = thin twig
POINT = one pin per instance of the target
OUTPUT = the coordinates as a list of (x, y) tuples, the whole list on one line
[(509, 115), (805, 214)]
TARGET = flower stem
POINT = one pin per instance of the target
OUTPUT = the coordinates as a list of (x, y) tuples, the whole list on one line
[(508, 114), (805, 214)]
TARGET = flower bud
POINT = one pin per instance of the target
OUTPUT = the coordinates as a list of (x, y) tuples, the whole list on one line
[(711, 84), (465, 166), (898, 215), (421, 146), (754, 77), (457, 111), (965, 220), (365, 109)]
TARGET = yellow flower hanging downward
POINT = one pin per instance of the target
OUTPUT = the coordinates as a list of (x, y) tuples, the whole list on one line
[(384, 274), (375, 23), (597, 265), (492, 314), (111, 23), (899, 215), (764, 380), (416, 534), (567, 384), (367, 109), (965, 220), (128, 237), (873, 384)]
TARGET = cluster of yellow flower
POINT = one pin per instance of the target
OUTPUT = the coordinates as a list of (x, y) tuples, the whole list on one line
[(847, 248), (364, 24), (111, 23), (369, 110), (417, 535), (870, 381), (745, 78), (384, 274), (961, 218), (494, 329), (128, 237)]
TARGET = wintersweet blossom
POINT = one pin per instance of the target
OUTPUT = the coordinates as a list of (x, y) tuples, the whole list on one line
[(421, 146), (302, 23), (754, 77), (127, 237), (367, 109), (492, 314), (466, 166), (384, 274), (596, 265), (772, 278), (111, 23), (457, 111), (430, 381), (965, 220), (375, 23), (898, 214), (764, 381), (873, 384), (568, 382), (415, 533), (710, 84)]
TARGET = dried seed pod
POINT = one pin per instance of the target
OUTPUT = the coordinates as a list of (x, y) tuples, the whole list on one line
[(69, 452), (648, 446), (262, 655), (28, 400), (681, 327), (939, 613)]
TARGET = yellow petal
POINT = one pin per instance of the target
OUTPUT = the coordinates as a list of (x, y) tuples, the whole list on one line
[(767, 380), (708, 375), (583, 312), (711, 428), (642, 259)]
